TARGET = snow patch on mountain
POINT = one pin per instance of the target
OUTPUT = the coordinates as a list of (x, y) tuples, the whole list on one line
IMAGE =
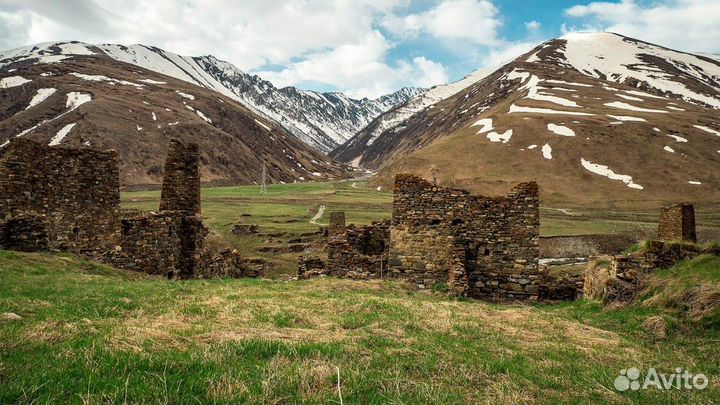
[(547, 151), (60, 135), (626, 118), (40, 96), (612, 57), (486, 124), (503, 137), (707, 129), (561, 130), (629, 107), (13, 81), (605, 171)]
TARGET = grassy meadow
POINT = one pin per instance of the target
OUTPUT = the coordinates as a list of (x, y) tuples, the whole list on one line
[(90, 334), (285, 212)]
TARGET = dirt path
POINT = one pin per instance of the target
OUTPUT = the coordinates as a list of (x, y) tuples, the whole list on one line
[(317, 216)]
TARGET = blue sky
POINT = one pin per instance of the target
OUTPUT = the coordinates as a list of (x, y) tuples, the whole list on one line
[(364, 48)]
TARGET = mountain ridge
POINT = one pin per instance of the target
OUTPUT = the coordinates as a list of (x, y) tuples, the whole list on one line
[(641, 125), (88, 100), (323, 120)]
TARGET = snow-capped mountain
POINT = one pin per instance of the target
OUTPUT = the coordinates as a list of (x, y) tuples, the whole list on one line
[(323, 120), (593, 117), (75, 95), (392, 119)]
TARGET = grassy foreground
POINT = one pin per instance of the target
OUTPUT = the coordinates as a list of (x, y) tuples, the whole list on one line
[(90, 334)]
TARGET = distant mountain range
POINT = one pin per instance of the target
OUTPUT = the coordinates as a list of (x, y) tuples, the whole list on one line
[(323, 120), (79, 95), (597, 119), (594, 117)]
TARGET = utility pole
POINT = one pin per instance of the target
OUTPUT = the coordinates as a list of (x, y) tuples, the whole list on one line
[(263, 185)]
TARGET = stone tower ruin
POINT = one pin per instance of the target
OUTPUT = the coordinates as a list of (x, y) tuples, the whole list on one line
[(483, 247), (181, 181), (677, 222)]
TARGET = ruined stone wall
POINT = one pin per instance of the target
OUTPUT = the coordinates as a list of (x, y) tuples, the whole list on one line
[(181, 179), (25, 234), (621, 277), (358, 252), (585, 245), (337, 224), (162, 243), (677, 222), (422, 256), (75, 193), (495, 238)]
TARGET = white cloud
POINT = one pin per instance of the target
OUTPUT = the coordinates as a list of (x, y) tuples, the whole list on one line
[(250, 33), (502, 55), (689, 25), (359, 69), (476, 21), (289, 42), (532, 25)]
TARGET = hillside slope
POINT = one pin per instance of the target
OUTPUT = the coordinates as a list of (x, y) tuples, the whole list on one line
[(91, 100), (392, 120), (323, 120), (592, 117)]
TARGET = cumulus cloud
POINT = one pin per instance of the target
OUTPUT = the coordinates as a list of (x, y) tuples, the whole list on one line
[(689, 25), (476, 21), (361, 47), (532, 25), (250, 33), (359, 69)]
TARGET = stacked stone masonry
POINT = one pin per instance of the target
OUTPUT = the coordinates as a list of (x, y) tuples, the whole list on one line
[(69, 199), (677, 223), (475, 246), (490, 244), (169, 243), (181, 179), (73, 193), (358, 252)]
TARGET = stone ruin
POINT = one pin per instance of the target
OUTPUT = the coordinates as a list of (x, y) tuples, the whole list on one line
[(181, 179), (480, 247), (57, 198), (677, 223), (619, 278), (54, 198)]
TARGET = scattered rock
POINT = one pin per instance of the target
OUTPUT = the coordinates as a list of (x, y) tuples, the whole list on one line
[(10, 316), (245, 229)]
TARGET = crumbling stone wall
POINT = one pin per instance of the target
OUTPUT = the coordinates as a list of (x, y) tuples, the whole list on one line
[(621, 277), (677, 222), (181, 179), (585, 245), (488, 244), (25, 234), (161, 243), (337, 224), (360, 252), (355, 251), (75, 193), (69, 199)]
